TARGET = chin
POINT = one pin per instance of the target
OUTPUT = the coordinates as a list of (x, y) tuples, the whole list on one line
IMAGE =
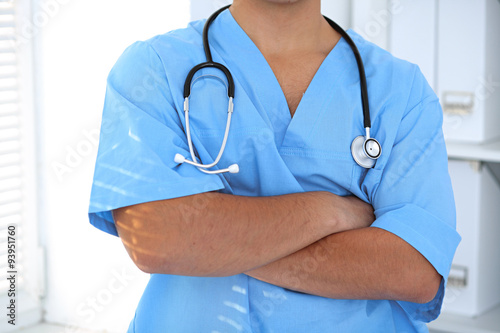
[(283, 1)]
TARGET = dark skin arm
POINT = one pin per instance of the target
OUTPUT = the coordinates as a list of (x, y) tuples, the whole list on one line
[(312, 242), (368, 263), (214, 234)]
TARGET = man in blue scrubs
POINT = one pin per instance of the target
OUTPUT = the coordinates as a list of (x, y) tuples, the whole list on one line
[(302, 239)]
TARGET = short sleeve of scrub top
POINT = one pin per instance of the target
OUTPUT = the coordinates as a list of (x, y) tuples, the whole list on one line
[(410, 188), (140, 134)]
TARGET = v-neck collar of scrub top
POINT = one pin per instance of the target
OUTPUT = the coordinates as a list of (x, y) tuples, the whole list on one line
[(229, 42)]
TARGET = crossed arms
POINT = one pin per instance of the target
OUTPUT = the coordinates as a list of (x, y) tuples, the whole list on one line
[(314, 242)]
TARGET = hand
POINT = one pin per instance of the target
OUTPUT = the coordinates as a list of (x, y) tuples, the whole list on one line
[(336, 213), (355, 214)]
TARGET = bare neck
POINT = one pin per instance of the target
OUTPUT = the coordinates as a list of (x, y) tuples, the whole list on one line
[(284, 27)]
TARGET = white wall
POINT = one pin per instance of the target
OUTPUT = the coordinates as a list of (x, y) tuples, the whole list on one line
[(200, 9), (91, 282), (339, 10), (406, 28)]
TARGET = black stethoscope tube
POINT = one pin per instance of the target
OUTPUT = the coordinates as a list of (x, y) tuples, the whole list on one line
[(361, 70), (209, 62), (192, 72), (365, 150)]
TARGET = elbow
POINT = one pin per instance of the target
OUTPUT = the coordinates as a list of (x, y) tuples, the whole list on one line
[(419, 283), (150, 260), (154, 249), (424, 287), (179, 265), (146, 264), (154, 264), (164, 257), (429, 291), (173, 259), (144, 267), (164, 247)]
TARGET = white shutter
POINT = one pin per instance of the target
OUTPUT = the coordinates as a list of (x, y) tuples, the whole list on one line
[(17, 169), (10, 144)]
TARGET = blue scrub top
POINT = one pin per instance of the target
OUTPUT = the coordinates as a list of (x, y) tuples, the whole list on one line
[(409, 187)]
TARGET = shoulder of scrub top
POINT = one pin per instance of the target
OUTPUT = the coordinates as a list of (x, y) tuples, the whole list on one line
[(180, 45), (162, 61), (394, 85)]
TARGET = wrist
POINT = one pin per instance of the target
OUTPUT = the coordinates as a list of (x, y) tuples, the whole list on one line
[(326, 210), (353, 213)]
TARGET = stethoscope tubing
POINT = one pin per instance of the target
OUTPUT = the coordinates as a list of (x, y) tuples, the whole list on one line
[(362, 155), (224, 140), (361, 69), (206, 45), (209, 64)]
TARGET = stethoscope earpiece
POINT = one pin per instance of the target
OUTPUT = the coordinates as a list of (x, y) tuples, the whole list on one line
[(179, 159), (233, 168)]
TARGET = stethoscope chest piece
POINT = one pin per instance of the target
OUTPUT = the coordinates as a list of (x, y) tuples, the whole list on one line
[(365, 151)]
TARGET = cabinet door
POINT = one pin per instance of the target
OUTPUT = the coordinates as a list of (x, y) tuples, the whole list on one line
[(371, 19), (460, 67), (412, 34)]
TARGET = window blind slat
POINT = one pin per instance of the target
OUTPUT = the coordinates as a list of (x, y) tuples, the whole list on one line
[(8, 110), (12, 219), (8, 122), (10, 184), (10, 171), (9, 88), (10, 196), (7, 75), (10, 146), (7, 62), (10, 159), (9, 134), (7, 11), (10, 209), (7, 49), (7, 24)]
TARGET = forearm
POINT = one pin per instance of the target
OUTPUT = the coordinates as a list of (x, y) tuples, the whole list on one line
[(214, 234), (368, 263)]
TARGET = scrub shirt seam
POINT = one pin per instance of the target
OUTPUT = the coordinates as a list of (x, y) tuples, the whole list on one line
[(306, 152), (214, 133), (249, 304), (171, 101), (149, 44), (410, 93), (353, 180), (425, 100)]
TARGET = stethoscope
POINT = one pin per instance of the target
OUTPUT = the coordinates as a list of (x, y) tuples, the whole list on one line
[(364, 149)]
